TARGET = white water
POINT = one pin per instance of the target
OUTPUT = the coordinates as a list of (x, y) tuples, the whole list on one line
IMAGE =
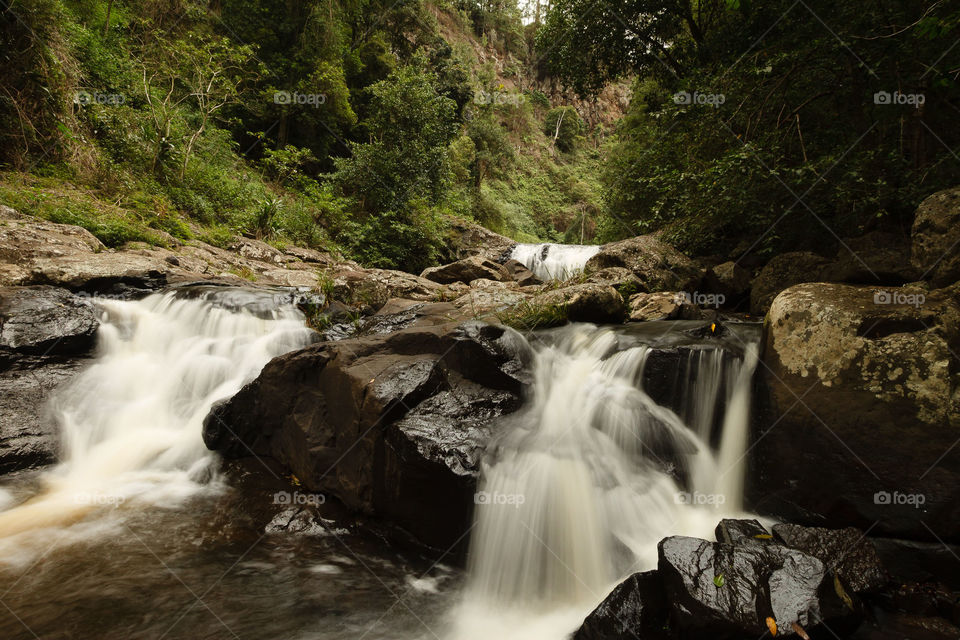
[(131, 423), (592, 475), (554, 261)]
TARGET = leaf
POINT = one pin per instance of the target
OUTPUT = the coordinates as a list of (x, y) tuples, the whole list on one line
[(772, 626), (842, 592), (763, 536), (718, 580), (799, 630)]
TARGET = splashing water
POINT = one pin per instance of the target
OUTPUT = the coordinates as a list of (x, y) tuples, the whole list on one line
[(592, 474), (131, 423), (554, 261)]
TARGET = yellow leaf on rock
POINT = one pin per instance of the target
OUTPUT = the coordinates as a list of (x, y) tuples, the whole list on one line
[(772, 625)]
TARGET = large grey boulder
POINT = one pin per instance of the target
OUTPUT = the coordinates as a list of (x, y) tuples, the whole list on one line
[(656, 264), (936, 237), (860, 410)]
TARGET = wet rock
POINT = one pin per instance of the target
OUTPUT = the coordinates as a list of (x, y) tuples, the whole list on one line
[(46, 333), (42, 321), (375, 420), (936, 234), (29, 435), (733, 531), (467, 270), (720, 591), (588, 302), (847, 551), (657, 265), (636, 608), (878, 408), (914, 561)]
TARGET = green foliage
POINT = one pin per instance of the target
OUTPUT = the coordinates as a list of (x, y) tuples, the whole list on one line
[(563, 125), (758, 127), (531, 315)]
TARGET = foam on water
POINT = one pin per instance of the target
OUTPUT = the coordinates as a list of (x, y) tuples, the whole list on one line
[(131, 422)]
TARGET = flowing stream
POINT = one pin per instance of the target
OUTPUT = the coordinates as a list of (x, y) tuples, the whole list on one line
[(593, 473), (136, 534), (554, 261)]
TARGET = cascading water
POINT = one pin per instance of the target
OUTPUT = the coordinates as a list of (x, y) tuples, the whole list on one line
[(592, 474), (554, 261), (131, 423)]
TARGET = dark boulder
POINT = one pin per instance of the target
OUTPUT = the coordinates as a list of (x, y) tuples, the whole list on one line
[(45, 321), (732, 531), (720, 591), (374, 420), (846, 551), (636, 608), (46, 334)]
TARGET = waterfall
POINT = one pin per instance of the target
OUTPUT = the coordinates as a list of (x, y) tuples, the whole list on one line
[(588, 478), (131, 422), (554, 261)]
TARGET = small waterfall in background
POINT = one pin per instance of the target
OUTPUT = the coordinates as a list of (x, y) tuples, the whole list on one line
[(131, 422), (554, 261), (588, 478)]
